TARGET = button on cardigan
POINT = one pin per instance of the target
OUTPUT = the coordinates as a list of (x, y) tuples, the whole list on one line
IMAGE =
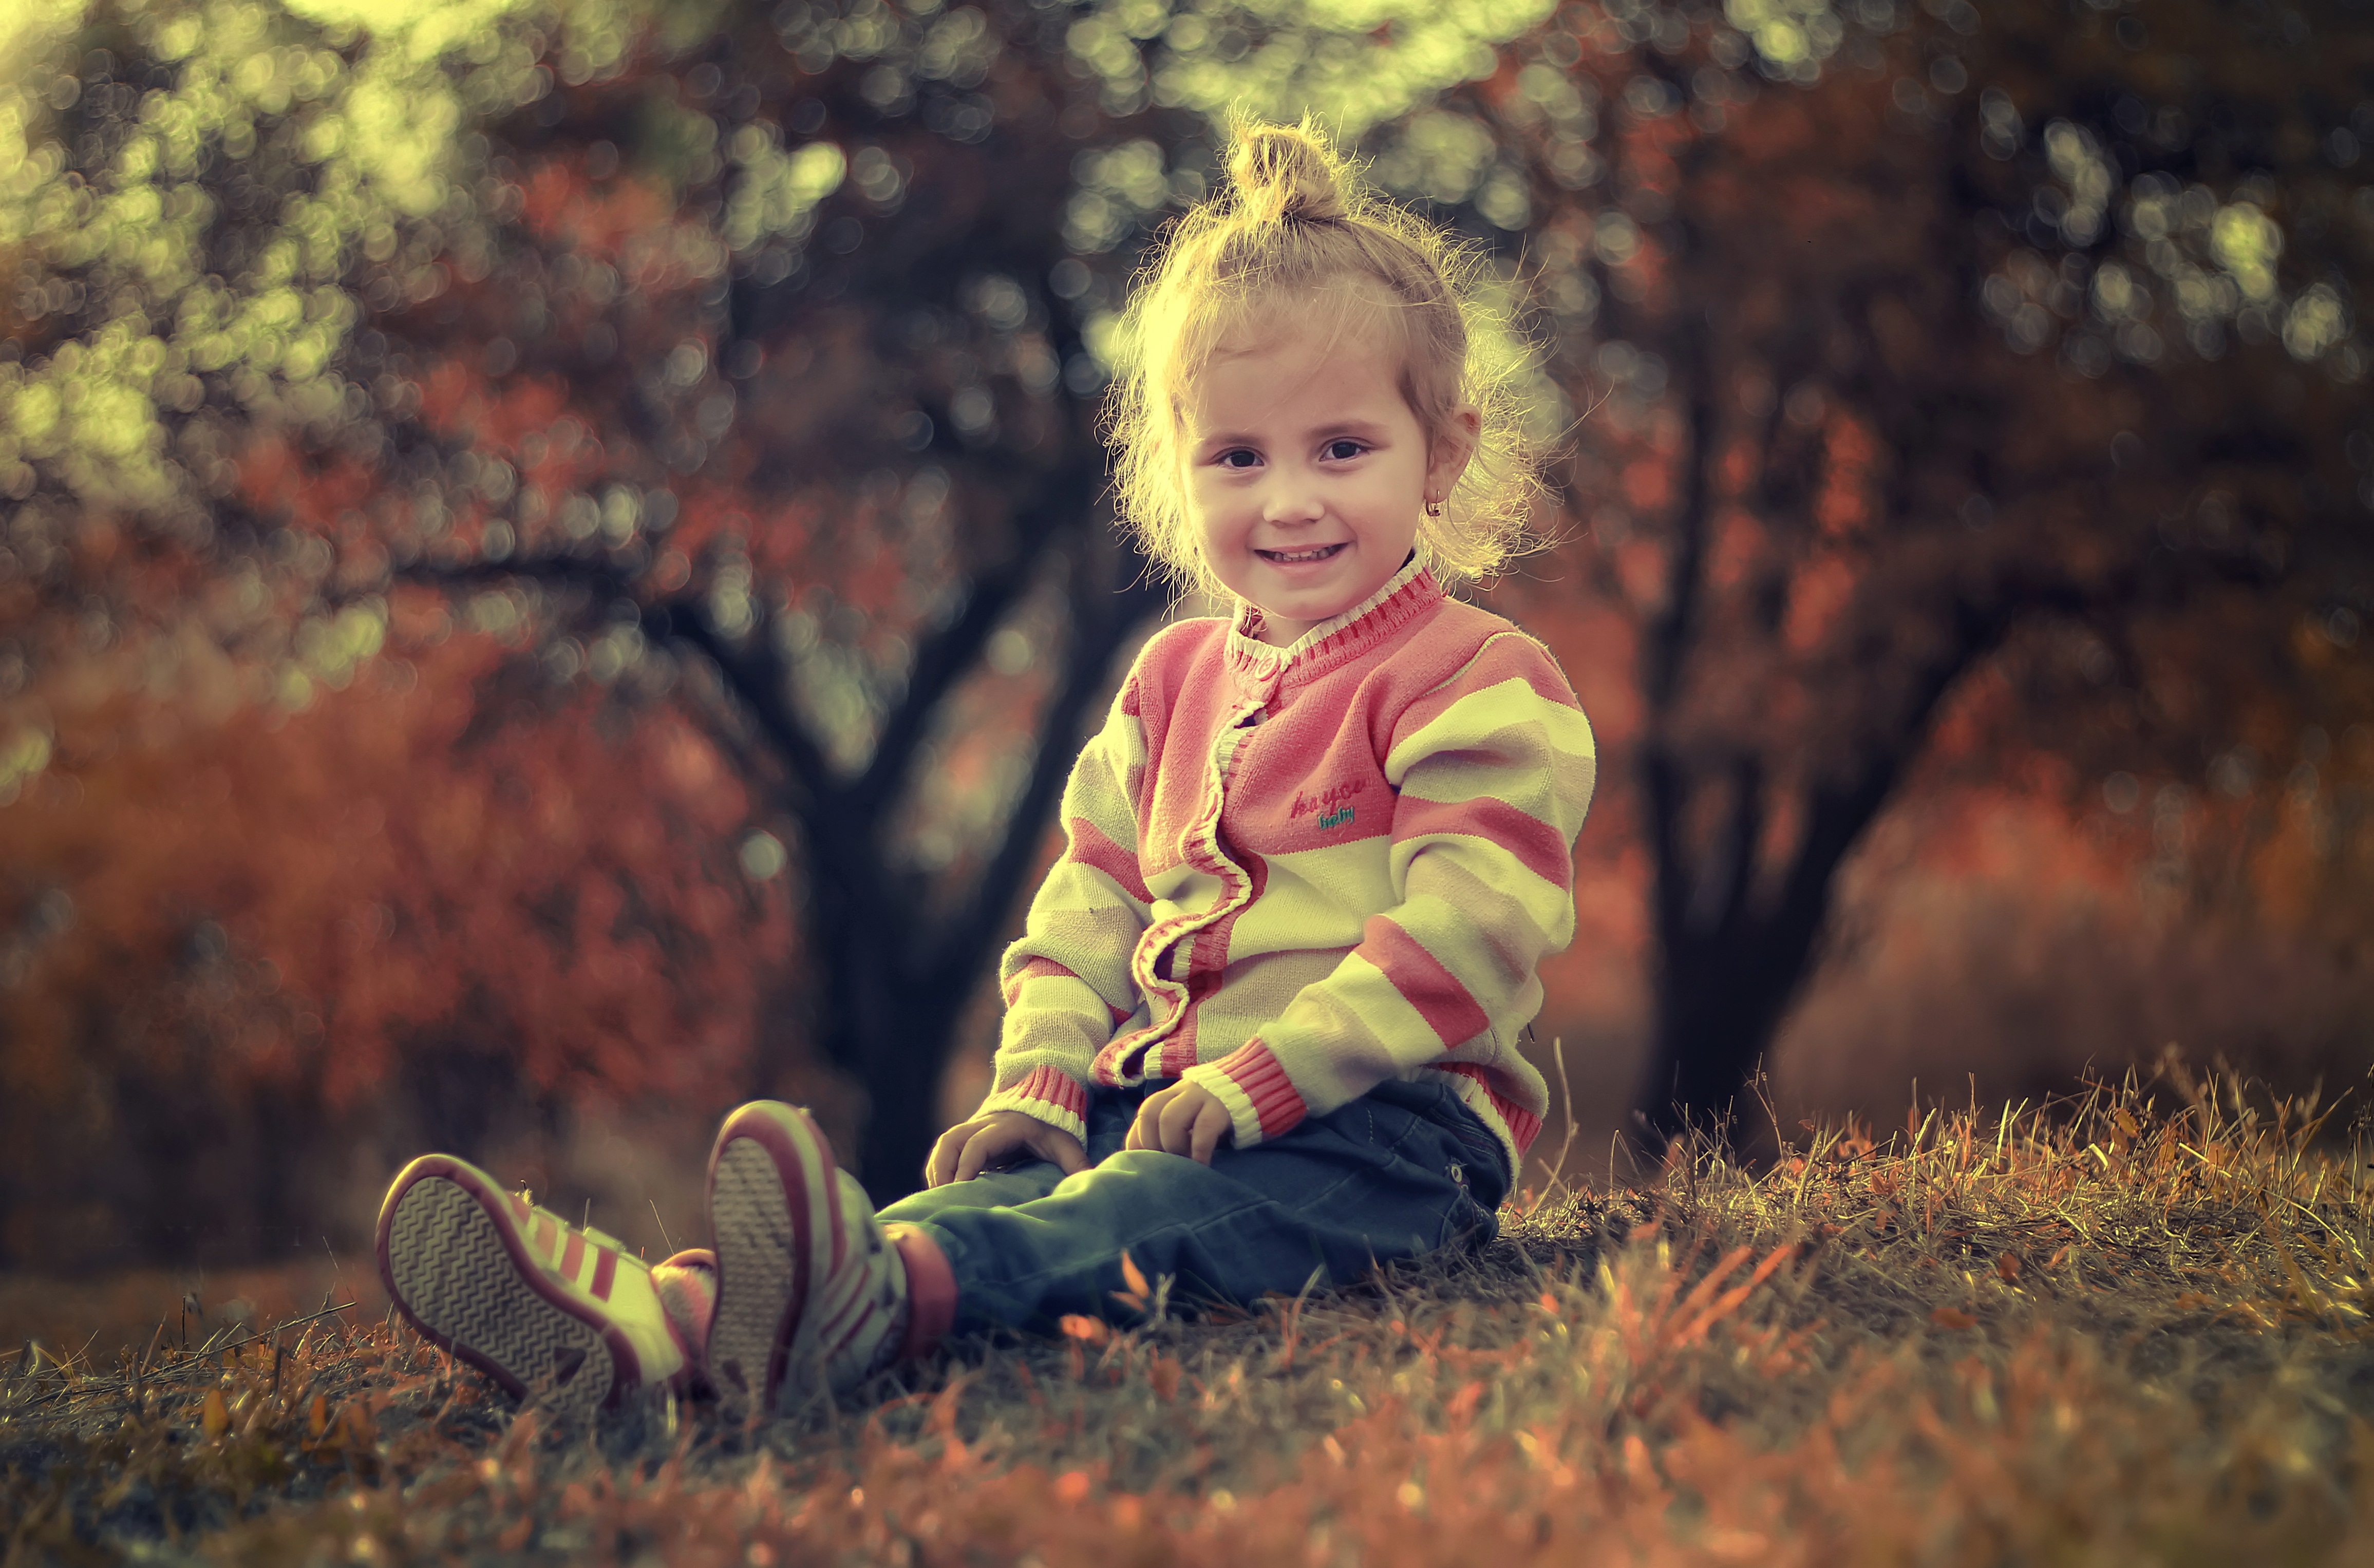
[(1292, 873)]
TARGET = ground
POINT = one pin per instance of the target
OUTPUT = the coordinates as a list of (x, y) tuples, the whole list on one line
[(2132, 1328)]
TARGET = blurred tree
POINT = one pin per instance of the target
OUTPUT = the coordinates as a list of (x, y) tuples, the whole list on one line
[(707, 360), (687, 360), (699, 361), (2018, 341)]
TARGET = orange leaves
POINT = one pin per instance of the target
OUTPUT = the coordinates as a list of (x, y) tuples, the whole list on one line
[(1738, 550), (1121, 1353), (1848, 504), (1087, 1330), (1163, 1374), (1140, 1297), (285, 897), (1952, 1318), (559, 203), (1648, 485), (350, 1438), (1818, 599)]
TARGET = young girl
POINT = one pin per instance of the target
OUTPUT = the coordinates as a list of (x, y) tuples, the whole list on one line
[(1262, 1026)]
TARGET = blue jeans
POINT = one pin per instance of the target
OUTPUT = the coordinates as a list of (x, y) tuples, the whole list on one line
[(1404, 1170)]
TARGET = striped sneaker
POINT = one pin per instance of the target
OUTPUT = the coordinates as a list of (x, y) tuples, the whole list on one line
[(548, 1310), (811, 1296)]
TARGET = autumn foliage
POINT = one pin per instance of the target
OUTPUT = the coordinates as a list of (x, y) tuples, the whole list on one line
[(560, 565)]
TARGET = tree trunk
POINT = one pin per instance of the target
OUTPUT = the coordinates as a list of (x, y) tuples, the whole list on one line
[(1736, 948), (897, 956)]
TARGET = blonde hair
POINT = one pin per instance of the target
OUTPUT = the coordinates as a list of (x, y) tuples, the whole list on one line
[(1298, 219)]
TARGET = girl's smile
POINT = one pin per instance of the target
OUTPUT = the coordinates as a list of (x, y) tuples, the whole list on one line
[(1307, 471), (1301, 558)]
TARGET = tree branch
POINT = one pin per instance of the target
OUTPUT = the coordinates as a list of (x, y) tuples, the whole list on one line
[(1101, 619), (942, 659), (755, 675)]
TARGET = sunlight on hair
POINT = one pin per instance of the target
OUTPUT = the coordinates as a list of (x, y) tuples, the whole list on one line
[(1298, 224)]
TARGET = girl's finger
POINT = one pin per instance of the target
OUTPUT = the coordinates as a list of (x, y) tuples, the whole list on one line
[(1145, 1128), (979, 1149), (1178, 1126), (942, 1164), (1210, 1126)]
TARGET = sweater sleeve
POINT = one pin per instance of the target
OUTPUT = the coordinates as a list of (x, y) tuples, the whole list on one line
[(1493, 771), (1066, 980)]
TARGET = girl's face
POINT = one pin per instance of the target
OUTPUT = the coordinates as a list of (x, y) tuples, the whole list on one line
[(1306, 473)]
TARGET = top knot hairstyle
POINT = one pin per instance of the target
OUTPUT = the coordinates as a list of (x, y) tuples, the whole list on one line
[(1286, 176), (1297, 221)]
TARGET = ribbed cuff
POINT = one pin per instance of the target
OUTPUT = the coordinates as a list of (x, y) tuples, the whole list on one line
[(1263, 1101), (1049, 1093)]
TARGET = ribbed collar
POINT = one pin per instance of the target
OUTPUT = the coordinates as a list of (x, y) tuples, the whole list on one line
[(1260, 668)]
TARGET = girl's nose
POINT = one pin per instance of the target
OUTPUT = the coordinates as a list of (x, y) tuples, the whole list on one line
[(1289, 502)]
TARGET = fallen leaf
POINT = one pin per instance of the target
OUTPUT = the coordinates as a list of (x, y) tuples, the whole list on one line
[(1164, 1375), (1952, 1318), (217, 1419)]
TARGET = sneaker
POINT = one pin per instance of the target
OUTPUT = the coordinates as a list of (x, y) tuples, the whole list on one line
[(811, 1296), (551, 1311)]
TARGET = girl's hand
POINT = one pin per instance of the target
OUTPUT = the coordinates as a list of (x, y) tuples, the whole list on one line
[(1185, 1118), (969, 1148)]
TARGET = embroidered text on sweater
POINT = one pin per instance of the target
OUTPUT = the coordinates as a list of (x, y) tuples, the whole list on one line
[(1360, 886)]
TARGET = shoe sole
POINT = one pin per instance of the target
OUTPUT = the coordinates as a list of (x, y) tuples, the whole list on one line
[(777, 1229), (456, 1268)]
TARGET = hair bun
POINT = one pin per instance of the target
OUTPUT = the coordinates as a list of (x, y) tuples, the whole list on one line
[(1288, 172)]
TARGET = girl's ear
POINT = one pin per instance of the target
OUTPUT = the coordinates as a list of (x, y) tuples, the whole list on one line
[(1454, 444)]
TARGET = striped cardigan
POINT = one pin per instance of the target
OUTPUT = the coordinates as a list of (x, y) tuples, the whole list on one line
[(1290, 874)]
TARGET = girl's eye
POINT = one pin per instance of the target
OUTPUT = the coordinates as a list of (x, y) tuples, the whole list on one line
[(1238, 458), (1343, 450)]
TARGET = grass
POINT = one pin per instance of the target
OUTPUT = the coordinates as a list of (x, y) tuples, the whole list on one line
[(2133, 1327)]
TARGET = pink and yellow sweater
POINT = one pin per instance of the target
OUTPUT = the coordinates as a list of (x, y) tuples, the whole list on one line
[(1292, 873)]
